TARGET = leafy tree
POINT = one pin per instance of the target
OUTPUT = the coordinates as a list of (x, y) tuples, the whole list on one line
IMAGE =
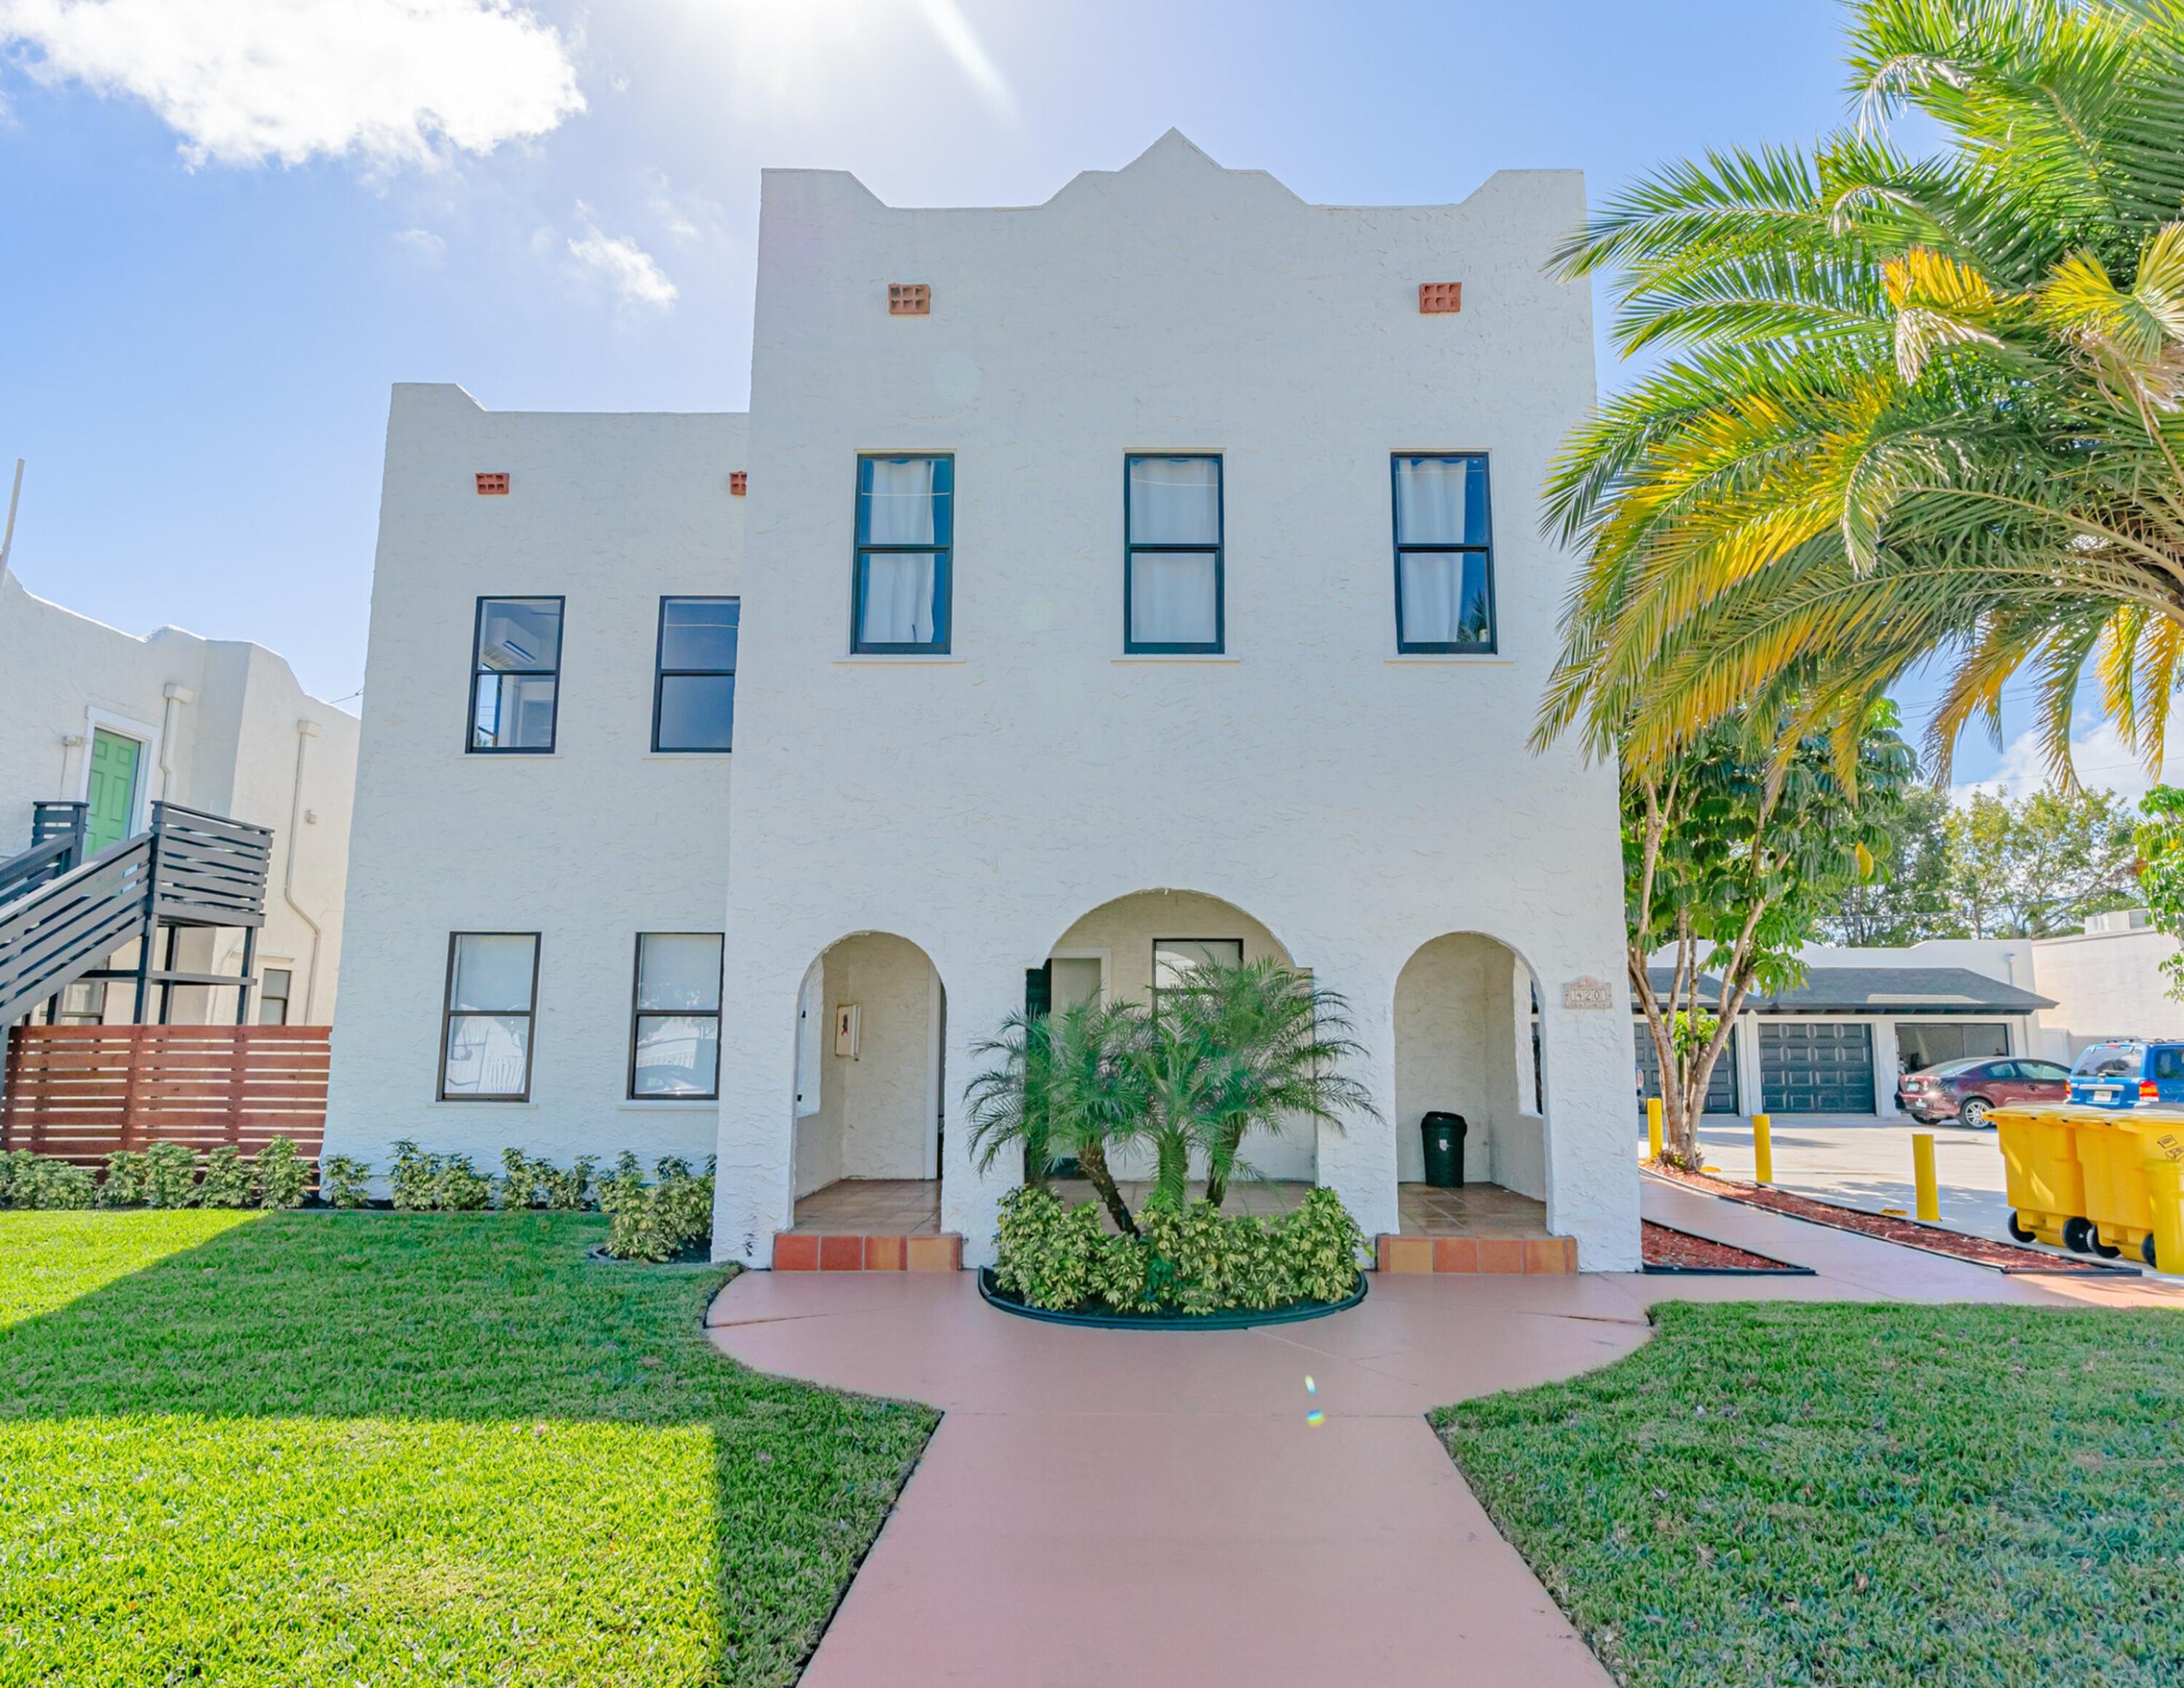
[(2041, 865), (1909, 899), (1920, 404), (1732, 851), (2160, 840)]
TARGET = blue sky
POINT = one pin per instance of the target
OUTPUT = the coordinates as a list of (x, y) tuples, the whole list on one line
[(216, 257)]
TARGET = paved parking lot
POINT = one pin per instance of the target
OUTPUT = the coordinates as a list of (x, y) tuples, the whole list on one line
[(1865, 1162)]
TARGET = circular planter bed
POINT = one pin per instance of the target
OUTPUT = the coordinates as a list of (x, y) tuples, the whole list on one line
[(1239, 1318), (698, 1254)]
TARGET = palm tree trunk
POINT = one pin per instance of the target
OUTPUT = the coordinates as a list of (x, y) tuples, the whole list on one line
[(1092, 1159)]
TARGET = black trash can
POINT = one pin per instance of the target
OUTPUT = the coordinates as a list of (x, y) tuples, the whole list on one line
[(1444, 1136)]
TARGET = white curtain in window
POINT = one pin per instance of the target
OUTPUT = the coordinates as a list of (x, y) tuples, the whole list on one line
[(899, 508), (678, 970), (898, 598), (492, 972), (1433, 597), (1175, 502), (1432, 498), (1172, 598)]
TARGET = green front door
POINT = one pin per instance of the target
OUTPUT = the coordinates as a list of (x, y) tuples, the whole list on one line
[(112, 793)]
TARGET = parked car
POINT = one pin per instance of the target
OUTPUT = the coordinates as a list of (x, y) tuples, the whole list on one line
[(2126, 1071), (1963, 1091)]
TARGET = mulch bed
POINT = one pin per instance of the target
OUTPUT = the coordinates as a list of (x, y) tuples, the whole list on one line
[(1668, 1249), (1910, 1233)]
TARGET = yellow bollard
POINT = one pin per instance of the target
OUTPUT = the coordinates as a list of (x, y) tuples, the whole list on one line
[(1654, 1125), (1763, 1148), (1928, 1205)]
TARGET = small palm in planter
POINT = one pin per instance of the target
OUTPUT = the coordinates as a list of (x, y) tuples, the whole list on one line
[(1067, 1084)]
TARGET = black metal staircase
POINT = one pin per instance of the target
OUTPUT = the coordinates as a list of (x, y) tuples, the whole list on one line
[(63, 914)]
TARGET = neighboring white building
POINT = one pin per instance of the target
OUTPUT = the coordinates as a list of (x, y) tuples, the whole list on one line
[(1069, 655), (89, 714), (2106, 982)]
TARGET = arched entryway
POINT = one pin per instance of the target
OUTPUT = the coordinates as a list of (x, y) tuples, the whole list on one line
[(1468, 1040), (1132, 947), (872, 1028)]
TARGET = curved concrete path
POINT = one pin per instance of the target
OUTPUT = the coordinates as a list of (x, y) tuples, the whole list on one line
[(1149, 1508)]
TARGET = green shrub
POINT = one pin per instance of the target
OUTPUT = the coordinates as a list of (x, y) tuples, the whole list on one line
[(1321, 1247), (520, 1177), (7, 1176), (38, 1181), (283, 1176), (458, 1186), (1195, 1260), (658, 1221), (124, 1179), (415, 1182), (170, 1176), (228, 1178), (566, 1191), (344, 1182)]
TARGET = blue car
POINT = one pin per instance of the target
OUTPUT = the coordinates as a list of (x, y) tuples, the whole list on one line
[(2126, 1072)]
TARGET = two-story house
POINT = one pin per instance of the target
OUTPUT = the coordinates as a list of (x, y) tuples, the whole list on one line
[(1093, 589)]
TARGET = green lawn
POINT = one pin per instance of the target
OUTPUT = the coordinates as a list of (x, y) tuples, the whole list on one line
[(364, 1449), (1783, 1493)]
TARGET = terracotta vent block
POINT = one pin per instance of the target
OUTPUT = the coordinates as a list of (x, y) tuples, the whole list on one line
[(1439, 298), (738, 483), (493, 486), (909, 299)]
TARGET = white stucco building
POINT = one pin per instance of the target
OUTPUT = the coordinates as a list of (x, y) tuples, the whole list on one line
[(1149, 575), (91, 715)]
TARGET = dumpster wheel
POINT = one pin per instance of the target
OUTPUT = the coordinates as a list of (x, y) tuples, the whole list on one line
[(2146, 1253), (2017, 1232), (2106, 1251), (2078, 1235)]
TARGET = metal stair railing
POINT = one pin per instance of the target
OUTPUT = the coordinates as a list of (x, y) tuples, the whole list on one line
[(57, 845), (189, 868)]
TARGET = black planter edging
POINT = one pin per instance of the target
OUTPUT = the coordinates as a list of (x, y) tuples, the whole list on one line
[(1240, 1319), (700, 1254), (1730, 1270)]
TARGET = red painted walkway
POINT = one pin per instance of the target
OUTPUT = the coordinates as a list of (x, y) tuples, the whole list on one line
[(1146, 1508)]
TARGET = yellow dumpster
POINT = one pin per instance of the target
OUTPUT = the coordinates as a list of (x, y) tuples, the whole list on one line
[(2159, 1134), (2042, 1172)]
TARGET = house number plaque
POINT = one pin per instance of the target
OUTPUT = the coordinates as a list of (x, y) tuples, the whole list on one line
[(1588, 993)]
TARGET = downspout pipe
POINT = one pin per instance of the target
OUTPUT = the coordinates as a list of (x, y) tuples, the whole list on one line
[(174, 692), (306, 730)]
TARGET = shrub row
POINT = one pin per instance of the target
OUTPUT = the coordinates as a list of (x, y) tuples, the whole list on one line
[(165, 1175), (1194, 1261), (645, 1221)]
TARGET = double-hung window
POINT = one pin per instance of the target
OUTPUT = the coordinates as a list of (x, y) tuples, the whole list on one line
[(675, 1017), (1177, 962), (1172, 567), (515, 674), (694, 689), (274, 986), (906, 523), (492, 997), (1443, 554)]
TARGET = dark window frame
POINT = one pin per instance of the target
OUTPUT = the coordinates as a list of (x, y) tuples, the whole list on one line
[(661, 674), (1405, 645), (560, 602), (286, 997), (449, 1015), (1152, 984), (943, 552), (1138, 647), (638, 1016)]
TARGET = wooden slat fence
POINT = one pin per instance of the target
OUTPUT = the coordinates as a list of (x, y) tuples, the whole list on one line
[(81, 1092)]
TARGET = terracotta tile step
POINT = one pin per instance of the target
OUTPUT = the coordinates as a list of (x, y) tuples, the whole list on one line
[(1533, 1254), (800, 1251)]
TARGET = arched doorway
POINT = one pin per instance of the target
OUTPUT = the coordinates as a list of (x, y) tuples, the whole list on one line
[(1467, 1026), (871, 1025), (1130, 948)]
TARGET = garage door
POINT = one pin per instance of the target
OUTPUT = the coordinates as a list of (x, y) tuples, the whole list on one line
[(1807, 1067), (1721, 1083)]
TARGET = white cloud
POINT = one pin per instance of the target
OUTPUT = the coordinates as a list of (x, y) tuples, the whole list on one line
[(423, 243), (2100, 758), (685, 217), (637, 279), (391, 82)]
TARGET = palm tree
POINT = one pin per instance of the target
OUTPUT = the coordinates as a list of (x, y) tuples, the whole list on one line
[(1069, 1083), (1274, 1043), (1918, 406)]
